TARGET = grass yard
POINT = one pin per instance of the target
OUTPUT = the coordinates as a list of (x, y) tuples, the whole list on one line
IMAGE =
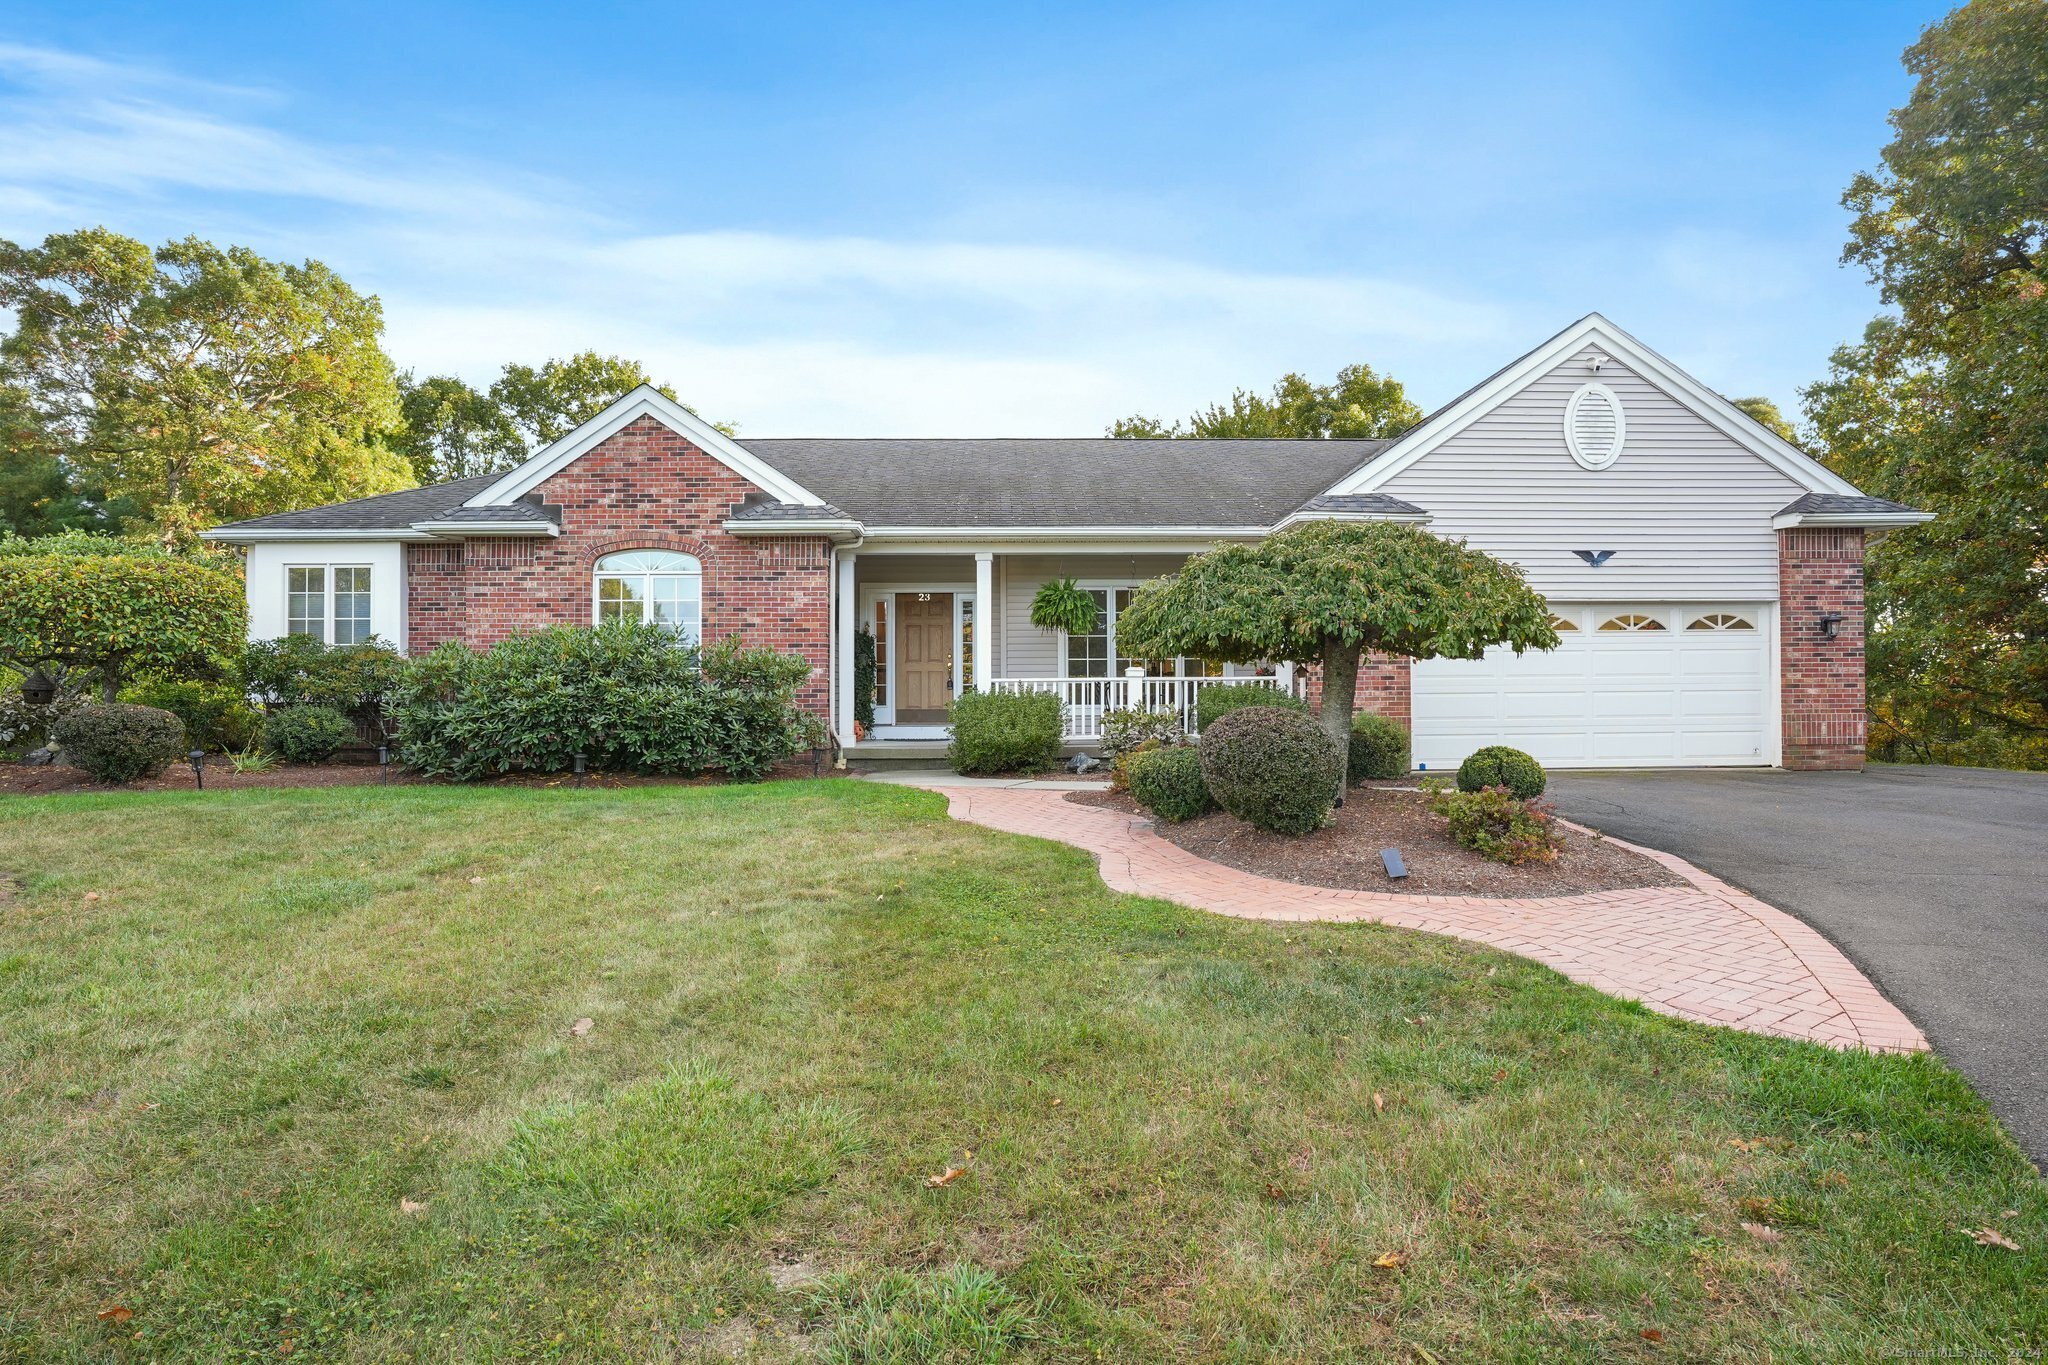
[(299, 1074)]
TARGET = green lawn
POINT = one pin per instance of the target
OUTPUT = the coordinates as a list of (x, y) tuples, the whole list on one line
[(237, 1029)]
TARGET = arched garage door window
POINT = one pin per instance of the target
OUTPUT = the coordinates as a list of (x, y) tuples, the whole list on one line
[(659, 587)]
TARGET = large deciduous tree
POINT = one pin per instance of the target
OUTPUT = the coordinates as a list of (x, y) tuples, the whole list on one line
[(109, 608), (201, 383), (1327, 592), (1944, 403), (1359, 403)]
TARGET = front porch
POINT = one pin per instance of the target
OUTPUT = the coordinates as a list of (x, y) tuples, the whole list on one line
[(946, 622)]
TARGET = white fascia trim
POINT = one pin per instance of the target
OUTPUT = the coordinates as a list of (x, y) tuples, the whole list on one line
[(1088, 533), (452, 529), (1409, 519), (1594, 329), (230, 536), (842, 526), (645, 401), (1872, 520)]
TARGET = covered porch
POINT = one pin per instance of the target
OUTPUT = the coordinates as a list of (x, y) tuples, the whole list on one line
[(946, 620)]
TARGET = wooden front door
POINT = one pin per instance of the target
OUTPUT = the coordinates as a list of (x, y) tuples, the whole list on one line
[(924, 657)]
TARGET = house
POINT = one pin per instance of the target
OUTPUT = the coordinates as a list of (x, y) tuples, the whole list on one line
[(1706, 576)]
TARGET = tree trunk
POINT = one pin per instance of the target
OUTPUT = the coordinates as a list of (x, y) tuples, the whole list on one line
[(1340, 690), (110, 685)]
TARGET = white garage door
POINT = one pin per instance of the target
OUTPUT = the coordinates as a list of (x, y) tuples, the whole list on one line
[(1631, 685)]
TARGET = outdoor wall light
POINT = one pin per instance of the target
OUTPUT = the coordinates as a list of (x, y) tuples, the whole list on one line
[(197, 758), (1828, 621)]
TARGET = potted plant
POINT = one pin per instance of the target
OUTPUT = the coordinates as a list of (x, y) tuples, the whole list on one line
[(1062, 604)]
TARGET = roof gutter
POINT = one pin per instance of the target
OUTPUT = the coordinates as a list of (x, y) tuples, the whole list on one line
[(1869, 520)]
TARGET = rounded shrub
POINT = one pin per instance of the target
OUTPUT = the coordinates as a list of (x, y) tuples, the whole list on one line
[(1214, 703), (1379, 748), (1004, 732), (307, 734), (120, 743), (1272, 767), (1169, 783), (1499, 766)]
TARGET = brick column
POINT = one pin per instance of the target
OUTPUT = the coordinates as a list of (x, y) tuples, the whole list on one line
[(1382, 687), (1820, 573)]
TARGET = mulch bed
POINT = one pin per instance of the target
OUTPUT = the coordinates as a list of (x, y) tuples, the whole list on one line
[(19, 779), (1346, 855)]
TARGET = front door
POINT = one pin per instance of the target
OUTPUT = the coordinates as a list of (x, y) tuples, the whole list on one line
[(924, 657)]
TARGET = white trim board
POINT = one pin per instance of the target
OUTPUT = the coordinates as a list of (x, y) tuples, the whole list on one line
[(645, 401), (1596, 331)]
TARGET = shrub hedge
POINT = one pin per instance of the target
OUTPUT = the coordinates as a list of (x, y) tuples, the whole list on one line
[(629, 697), (1495, 824), (119, 743), (1004, 732), (1169, 783), (1379, 748), (307, 734), (1271, 766), (1499, 766), (1214, 703), (216, 716), (299, 670)]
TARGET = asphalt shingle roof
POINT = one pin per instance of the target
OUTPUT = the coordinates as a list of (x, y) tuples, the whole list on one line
[(1841, 505), (1367, 504), (386, 511)]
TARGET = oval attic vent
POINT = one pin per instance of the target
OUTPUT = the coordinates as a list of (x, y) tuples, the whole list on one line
[(1593, 426)]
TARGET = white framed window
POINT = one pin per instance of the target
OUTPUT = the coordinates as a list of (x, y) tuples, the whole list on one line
[(329, 602), (657, 587), (1722, 620)]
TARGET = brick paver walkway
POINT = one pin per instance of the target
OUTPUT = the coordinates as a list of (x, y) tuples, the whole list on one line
[(1705, 951)]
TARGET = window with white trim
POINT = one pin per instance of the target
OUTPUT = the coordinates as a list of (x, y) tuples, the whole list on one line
[(329, 602), (1632, 621), (1722, 620), (1099, 655), (654, 587)]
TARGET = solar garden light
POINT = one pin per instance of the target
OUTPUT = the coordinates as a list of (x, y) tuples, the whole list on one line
[(581, 764), (384, 763), (197, 758)]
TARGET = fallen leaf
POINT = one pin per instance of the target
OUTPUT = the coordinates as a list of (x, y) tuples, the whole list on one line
[(1651, 1334), (1991, 1237), (1379, 1102), (1762, 1233), (1057, 1103), (412, 1206), (581, 1027), (1491, 970), (91, 896), (2010, 1213), (116, 1313), (476, 881), (1500, 1075), (946, 1177), (1392, 1260), (284, 1348), (1275, 1193)]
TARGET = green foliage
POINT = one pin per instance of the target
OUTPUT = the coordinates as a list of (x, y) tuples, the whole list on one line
[(1943, 404), (199, 383), (117, 613), (252, 760), (40, 494), (1379, 748), (298, 670), (1324, 592), (117, 743), (1062, 604), (1359, 404), (1004, 732), (1496, 824), (1767, 415), (216, 716), (961, 1315), (1499, 766), (1213, 703), (864, 679), (1128, 727), (631, 697), (1120, 764), (1272, 767), (24, 727), (1169, 783), (307, 734)]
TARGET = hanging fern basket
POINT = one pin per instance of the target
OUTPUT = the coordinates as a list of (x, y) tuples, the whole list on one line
[(1061, 604)]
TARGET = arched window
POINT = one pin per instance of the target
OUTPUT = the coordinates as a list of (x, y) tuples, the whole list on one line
[(1722, 620), (659, 587), (1632, 621), (1561, 624)]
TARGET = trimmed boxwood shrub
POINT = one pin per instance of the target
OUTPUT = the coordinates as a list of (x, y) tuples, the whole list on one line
[(1272, 767), (307, 734), (1004, 732), (217, 717), (1379, 748), (1214, 703), (1499, 766), (119, 743), (631, 697), (1497, 825), (1169, 783)]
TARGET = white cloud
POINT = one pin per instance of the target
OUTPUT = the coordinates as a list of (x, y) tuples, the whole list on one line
[(783, 332)]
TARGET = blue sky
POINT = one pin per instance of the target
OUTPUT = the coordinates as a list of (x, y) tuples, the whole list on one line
[(980, 220)]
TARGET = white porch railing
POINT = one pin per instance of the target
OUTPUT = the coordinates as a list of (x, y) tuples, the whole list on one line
[(1084, 700)]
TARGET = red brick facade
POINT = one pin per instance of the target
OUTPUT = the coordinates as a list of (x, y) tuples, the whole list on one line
[(1820, 573), (644, 488), (1382, 687)]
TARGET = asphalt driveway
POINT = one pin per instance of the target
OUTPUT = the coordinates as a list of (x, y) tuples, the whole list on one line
[(1933, 880)]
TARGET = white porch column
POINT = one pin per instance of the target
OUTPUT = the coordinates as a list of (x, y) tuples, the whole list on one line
[(844, 620), (984, 620)]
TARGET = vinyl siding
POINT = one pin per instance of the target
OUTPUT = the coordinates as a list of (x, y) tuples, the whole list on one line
[(1686, 510), (1027, 651)]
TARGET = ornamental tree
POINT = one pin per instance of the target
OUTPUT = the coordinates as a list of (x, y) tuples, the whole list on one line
[(1324, 593), (78, 606)]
